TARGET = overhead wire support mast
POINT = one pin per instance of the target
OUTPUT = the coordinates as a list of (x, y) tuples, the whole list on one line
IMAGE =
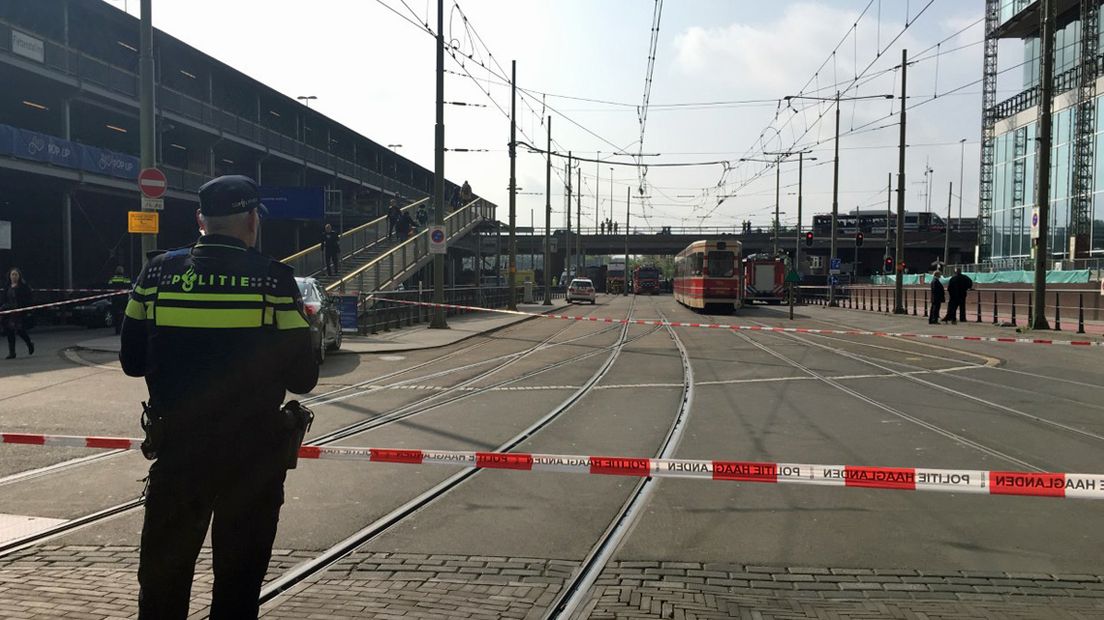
[(438, 321), (547, 267), (511, 276), (835, 174)]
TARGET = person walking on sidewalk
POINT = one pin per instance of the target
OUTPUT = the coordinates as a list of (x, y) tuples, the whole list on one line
[(119, 281), (331, 246), (937, 297), (15, 294), (957, 289)]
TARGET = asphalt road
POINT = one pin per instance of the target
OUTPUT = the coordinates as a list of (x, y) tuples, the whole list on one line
[(757, 396)]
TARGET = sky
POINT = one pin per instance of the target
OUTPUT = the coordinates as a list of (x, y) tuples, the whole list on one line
[(722, 72)]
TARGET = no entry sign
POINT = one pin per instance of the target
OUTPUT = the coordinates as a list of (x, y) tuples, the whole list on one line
[(152, 183)]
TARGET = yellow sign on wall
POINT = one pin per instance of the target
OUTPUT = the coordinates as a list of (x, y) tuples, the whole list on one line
[(146, 222)]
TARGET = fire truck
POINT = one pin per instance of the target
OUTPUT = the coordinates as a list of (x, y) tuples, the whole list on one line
[(645, 280), (764, 278)]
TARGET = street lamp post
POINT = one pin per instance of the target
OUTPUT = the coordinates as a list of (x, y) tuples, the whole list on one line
[(306, 99)]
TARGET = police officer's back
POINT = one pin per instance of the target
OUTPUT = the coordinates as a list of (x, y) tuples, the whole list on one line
[(219, 334)]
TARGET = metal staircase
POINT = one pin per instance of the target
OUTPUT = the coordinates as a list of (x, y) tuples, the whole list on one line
[(359, 246)]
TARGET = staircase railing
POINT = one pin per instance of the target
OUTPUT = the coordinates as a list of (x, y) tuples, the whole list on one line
[(395, 265), (311, 260)]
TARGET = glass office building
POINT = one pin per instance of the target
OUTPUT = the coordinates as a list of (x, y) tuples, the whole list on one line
[(1014, 125)]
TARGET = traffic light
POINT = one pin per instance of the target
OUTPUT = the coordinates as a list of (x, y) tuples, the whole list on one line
[(858, 240), (809, 239), (889, 264)]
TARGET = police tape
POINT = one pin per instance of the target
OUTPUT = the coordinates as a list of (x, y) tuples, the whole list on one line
[(64, 302), (75, 290), (1032, 484), (759, 328)]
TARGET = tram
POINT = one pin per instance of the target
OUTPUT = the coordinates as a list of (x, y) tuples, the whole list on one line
[(708, 276)]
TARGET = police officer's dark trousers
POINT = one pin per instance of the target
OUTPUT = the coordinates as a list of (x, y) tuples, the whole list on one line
[(238, 479), (333, 262)]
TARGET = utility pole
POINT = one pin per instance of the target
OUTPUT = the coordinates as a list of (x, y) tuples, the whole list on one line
[(146, 128), (961, 187), (511, 276), (899, 290), (777, 198), (628, 201), (597, 177), (579, 219), (889, 214), (1042, 168), (835, 206), (569, 259), (548, 219), (797, 237), (947, 228), (438, 321)]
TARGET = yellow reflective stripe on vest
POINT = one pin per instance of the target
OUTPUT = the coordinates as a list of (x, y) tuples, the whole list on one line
[(290, 319), (145, 291), (274, 299), (135, 310), (208, 318), (251, 297)]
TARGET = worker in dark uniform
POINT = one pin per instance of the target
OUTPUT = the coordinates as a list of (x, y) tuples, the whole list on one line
[(219, 333), (937, 297), (118, 302), (331, 246)]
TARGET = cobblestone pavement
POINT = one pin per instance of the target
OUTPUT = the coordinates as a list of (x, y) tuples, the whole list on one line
[(94, 583)]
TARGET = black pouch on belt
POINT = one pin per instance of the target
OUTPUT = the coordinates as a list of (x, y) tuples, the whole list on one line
[(296, 421), (154, 427)]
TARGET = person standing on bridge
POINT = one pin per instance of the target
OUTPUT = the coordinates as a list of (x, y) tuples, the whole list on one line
[(15, 294), (219, 332), (394, 214), (957, 289), (465, 194), (937, 297), (331, 246)]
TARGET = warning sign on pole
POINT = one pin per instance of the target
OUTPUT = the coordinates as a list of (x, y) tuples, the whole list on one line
[(437, 243), (143, 222)]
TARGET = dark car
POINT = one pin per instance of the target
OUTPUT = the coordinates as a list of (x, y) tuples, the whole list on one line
[(94, 314), (324, 317)]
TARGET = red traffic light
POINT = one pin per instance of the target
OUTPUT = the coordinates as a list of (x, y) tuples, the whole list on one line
[(858, 239), (888, 264), (809, 238)]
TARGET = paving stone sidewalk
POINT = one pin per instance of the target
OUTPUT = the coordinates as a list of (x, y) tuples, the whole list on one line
[(99, 583)]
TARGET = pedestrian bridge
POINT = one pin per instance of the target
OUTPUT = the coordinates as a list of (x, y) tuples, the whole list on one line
[(370, 261)]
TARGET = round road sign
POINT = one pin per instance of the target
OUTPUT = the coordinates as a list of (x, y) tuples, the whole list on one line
[(1034, 219), (437, 235), (152, 183)]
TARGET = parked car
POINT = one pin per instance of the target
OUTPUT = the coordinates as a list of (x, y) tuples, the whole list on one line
[(581, 289), (93, 314), (324, 316)]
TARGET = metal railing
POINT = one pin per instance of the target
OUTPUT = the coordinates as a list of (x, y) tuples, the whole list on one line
[(1028, 264), (385, 315), (312, 260), (389, 269)]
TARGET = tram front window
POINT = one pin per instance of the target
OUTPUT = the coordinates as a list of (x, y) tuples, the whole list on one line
[(722, 264)]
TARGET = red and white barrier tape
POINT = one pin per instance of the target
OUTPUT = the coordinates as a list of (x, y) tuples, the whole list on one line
[(64, 302), (75, 290), (764, 328), (1073, 486)]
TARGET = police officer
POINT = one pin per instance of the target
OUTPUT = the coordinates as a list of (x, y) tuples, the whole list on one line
[(331, 246), (118, 302), (219, 333)]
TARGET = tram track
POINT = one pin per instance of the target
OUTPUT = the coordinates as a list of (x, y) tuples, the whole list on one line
[(418, 407), (300, 576), (574, 595), (880, 364)]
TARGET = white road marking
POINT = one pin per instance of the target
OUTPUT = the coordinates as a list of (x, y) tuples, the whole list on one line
[(13, 527)]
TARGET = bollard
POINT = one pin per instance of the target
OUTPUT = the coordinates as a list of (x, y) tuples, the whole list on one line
[(1057, 312), (927, 312), (1030, 311), (879, 300), (1080, 313), (979, 306), (1014, 308), (914, 302), (862, 298), (994, 306)]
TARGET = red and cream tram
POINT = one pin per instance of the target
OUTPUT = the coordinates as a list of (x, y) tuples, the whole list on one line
[(707, 276)]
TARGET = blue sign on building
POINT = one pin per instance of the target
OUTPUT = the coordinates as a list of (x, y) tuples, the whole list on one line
[(294, 203)]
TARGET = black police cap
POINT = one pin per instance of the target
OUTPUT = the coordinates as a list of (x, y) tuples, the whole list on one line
[(230, 194)]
